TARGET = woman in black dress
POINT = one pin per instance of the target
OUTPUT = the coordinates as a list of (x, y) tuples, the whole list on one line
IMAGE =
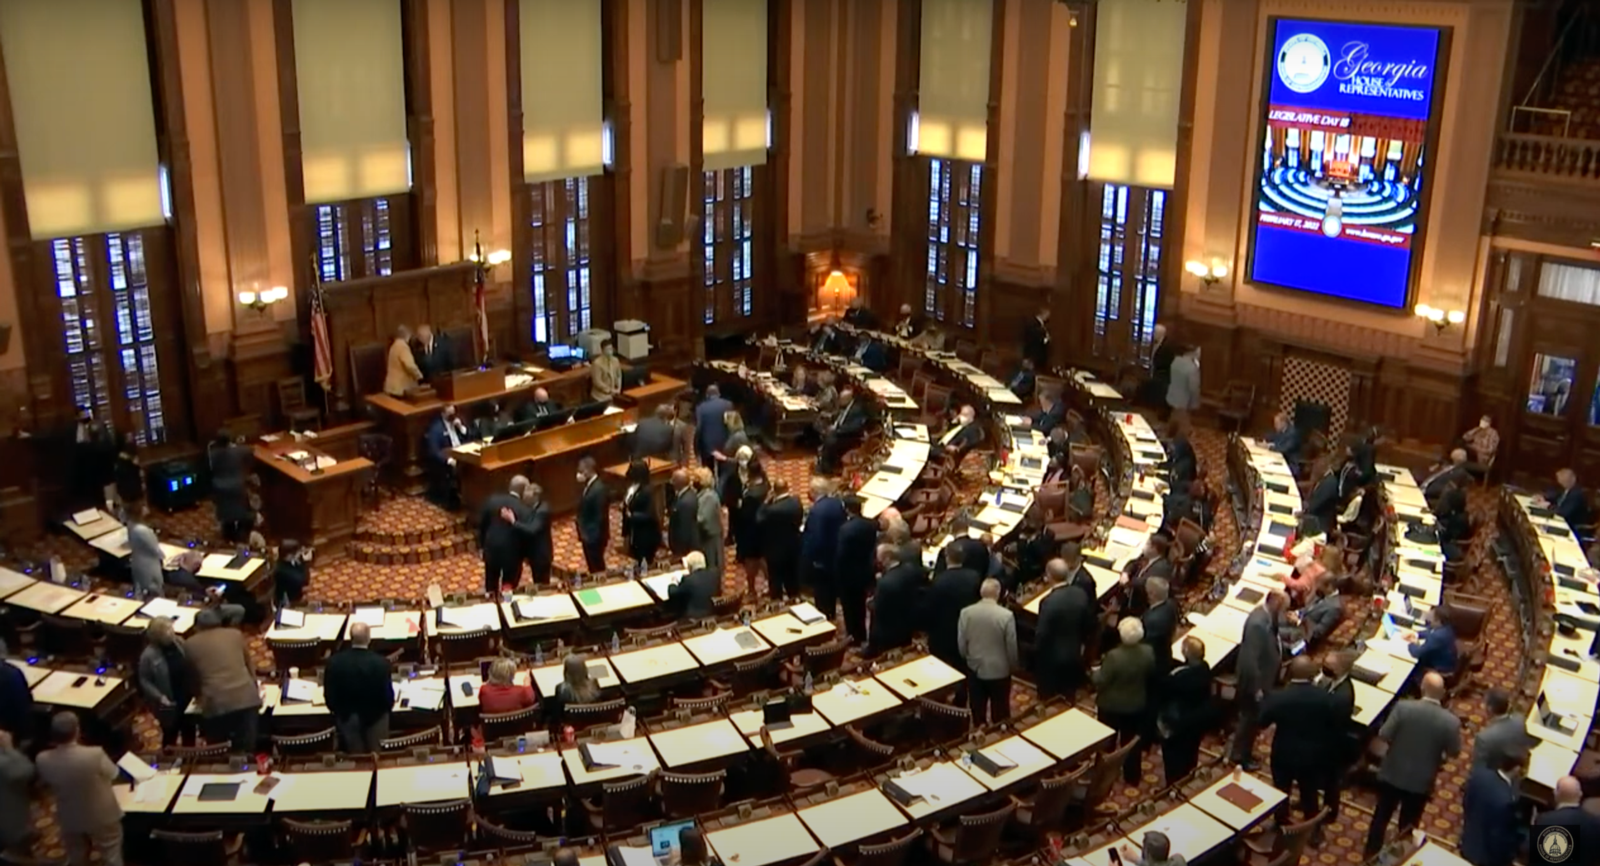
[(641, 520), (1186, 712), (746, 522)]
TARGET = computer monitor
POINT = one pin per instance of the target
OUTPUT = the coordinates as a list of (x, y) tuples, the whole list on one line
[(664, 839), (563, 352), (553, 419), (512, 431), (589, 410)]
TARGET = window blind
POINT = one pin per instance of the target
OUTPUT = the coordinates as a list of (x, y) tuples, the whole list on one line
[(733, 83), (79, 74), (563, 124), (349, 60), (953, 84), (1138, 72)]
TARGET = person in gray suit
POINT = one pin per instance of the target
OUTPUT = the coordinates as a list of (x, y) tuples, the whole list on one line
[(1260, 656), (145, 560), (86, 809), (1322, 615), (658, 436), (986, 632), (708, 517), (1183, 392), (1505, 734), (16, 806), (1422, 734)]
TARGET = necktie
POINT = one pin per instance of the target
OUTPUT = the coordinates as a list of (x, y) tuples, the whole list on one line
[(450, 430)]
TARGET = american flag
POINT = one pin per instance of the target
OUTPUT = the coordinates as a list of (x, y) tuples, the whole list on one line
[(480, 304), (321, 346)]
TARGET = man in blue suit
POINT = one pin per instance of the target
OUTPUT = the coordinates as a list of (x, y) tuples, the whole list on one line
[(444, 433), (710, 430), (1434, 648), (819, 543), (1490, 825), (1568, 813), (872, 355)]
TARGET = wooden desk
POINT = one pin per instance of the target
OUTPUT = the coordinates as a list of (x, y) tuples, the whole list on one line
[(1434, 854), (533, 612), (852, 700), (31, 674), (12, 582), (1210, 802), (920, 676), (324, 627), (99, 525), (245, 802), (115, 545), (722, 646), (45, 597), (801, 726), (940, 787), (1030, 761), (550, 455), (57, 690), (322, 791), (215, 567), (653, 663), (1193, 833), (760, 843), (398, 626), (104, 609), (181, 616), (785, 631), (272, 697), (626, 758), (1068, 734), (151, 797), (422, 783), (852, 818), (461, 619), (612, 598), (697, 744), (539, 771), (547, 677), (319, 508)]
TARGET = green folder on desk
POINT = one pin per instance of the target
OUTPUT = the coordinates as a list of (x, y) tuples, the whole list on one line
[(589, 596)]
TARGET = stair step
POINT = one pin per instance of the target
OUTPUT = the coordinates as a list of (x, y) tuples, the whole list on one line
[(446, 546), (411, 535)]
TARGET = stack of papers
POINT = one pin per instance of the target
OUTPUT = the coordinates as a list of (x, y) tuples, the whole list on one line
[(424, 694), (807, 613), (162, 608), (372, 616)]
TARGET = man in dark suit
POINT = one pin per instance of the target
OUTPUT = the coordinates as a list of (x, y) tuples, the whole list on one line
[(710, 430), (819, 544), (503, 547), (908, 325), (540, 406), (1491, 828), (1452, 472), (858, 315), (854, 567), (1023, 381), (974, 553), (1182, 464), (683, 532), (778, 520), (1422, 734), (1285, 438), (1049, 413), (445, 432), (1153, 562), (1036, 339), (1160, 622), (1322, 614), (433, 354), (896, 601), (1434, 647), (657, 436), (92, 454), (1569, 501), (693, 595), (1065, 617), (1336, 680), (961, 436), (1162, 354), (952, 591), (492, 423), (871, 354), (846, 428), (1260, 654), (823, 339), (1568, 813), (594, 521), (1504, 735), (534, 525), (16, 703), (1307, 729)]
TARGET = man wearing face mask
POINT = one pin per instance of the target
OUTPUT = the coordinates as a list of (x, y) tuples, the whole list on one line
[(907, 326), (593, 523), (537, 548), (93, 453), (962, 435), (605, 374), (445, 434)]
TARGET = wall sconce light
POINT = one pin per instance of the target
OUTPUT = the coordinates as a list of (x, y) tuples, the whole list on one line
[(491, 260), (259, 301), (837, 289), (1440, 319), (1210, 274)]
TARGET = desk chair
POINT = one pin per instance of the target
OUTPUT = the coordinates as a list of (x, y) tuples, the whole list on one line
[(684, 795), (795, 777), (65, 637), (502, 838), (304, 744), (465, 646), (817, 660), (1238, 404), (943, 723), (866, 754), (1091, 791), (714, 704), (322, 841), (1271, 846), (751, 675), (303, 654), (1047, 808), (596, 714), (431, 737), (191, 755), (378, 448), (500, 725), (435, 827), (622, 805), (294, 406), (210, 847), (891, 853), (974, 839), (123, 643)]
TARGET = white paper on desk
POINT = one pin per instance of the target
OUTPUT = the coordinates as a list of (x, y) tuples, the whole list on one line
[(300, 690), (424, 696), (147, 793), (372, 616), (291, 618), (296, 456), (161, 608), (283, 784), (612, 755), (86, 516), (136, 768), (807, 613), (921, 784)]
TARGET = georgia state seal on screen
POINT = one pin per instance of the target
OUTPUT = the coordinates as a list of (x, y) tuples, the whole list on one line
[(1554, 844), (1304, 62)]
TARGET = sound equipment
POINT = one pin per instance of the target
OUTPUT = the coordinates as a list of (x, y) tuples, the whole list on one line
[(173, 485)]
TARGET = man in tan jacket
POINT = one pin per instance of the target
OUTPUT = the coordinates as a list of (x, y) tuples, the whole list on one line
[(402, 375), (86, 809), (605, 374), (230, 698)]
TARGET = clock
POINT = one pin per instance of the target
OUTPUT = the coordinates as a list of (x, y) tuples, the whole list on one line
[(1304, 62)]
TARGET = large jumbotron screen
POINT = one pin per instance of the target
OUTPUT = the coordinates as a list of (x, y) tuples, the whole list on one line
[(1347, 139)]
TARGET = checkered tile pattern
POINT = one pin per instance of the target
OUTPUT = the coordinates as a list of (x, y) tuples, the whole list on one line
[(1305, 379)]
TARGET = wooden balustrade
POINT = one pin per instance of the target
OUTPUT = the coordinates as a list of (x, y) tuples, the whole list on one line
[(1544, 156)]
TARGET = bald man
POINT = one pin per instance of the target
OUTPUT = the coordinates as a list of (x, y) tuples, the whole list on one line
[(1568, 812), (683, 532), (1308, 731), (499, 539), (358, 693), (1422, 734)]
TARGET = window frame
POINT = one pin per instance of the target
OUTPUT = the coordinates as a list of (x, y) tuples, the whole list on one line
[(953, 241), (561, 256), (361, 238), (1129, 239), (726, 241)]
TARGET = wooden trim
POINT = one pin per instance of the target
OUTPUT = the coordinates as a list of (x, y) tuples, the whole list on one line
[(772, 188), (989, 198), (416, 42), (1075, 265), (38, 336), (617, 99), (696, 182), (905, 259), (521, 235), (294, 180), (1176, 215)]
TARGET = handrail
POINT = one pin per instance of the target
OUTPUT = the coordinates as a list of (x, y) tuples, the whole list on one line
[(1547, 156), (1561, 42)]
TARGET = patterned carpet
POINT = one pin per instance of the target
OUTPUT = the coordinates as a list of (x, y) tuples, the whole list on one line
[(406, 521)]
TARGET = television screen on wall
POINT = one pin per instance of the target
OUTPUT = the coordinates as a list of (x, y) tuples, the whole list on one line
[(1348, 120)]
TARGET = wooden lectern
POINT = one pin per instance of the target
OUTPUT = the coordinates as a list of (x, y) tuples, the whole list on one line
[(460, 385)]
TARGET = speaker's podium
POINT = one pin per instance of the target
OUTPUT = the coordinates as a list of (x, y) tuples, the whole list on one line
[(458, 386)]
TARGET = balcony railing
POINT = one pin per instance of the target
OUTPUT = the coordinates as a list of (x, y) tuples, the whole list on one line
[(1548, 157)]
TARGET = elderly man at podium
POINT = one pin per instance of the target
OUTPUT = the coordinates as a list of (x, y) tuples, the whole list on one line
[(605, 374), (402, 375)]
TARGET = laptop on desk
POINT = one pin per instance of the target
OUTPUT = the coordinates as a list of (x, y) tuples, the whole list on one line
[(1552, 719)]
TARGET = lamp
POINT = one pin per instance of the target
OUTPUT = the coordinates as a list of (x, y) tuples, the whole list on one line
[(1210, 274), (259, 301), (837, 287), (486, 261), (1440, 319)]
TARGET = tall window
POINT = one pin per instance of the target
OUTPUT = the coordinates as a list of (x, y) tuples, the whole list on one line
[(1128, 287), (361, 238), (955, 189), (559, 260), (727, 230), (108, 328)]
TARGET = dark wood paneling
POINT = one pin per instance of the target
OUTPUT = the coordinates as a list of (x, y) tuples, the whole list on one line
[(368, 311), (36, 338), (676, 315), (417, 38), (294, 179), (520, 302)]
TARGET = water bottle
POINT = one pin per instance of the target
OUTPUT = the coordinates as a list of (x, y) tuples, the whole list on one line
[(966, 760), (577, 581), (744, 617), (807, 686), (538, 654), (616, 642)]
